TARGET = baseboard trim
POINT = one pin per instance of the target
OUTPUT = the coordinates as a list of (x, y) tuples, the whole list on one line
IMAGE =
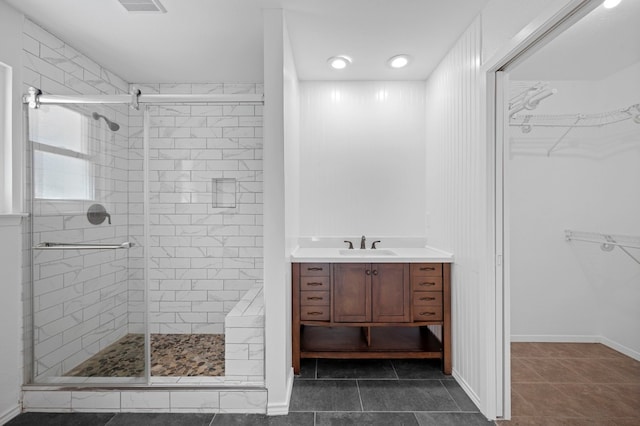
[(282, 408), (620, 348), (9, 414), (465, 386), (577, 339), (555, 338)]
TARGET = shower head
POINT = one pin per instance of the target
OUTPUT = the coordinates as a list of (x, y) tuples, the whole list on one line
[(114, 127)]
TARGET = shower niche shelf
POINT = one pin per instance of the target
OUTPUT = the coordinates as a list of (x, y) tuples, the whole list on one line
[(223, 191)]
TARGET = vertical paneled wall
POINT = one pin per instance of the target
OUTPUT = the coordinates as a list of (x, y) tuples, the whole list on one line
[(456, 196), (79, 297), (203, 257), (362, 158)]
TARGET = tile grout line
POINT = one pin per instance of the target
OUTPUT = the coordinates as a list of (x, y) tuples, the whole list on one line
[(451, 396), (359, 396), (394, 370)]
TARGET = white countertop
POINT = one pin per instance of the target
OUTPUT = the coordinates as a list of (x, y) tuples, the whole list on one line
[(398, 255)]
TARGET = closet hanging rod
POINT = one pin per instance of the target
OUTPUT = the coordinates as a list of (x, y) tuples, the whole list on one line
[(607, 241), (631, 112), (34, 98)]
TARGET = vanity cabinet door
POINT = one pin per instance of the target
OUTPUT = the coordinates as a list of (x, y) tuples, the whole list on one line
[(351, 294), (390, 292)]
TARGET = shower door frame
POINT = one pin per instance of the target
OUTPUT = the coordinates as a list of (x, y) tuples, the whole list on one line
[(33, 99)]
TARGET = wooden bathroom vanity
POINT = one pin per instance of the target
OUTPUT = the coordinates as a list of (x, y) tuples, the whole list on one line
[(360, 309)]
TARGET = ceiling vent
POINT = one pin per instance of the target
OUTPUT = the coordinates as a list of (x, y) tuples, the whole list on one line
[(143, 6)]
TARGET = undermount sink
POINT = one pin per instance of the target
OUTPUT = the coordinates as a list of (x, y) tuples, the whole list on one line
[(367, 253)]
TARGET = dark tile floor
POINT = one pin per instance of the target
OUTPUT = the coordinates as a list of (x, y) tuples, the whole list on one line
[(327, 392)]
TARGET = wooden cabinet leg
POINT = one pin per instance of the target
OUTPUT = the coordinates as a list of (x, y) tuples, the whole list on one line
[(366, 332), (446, 323)]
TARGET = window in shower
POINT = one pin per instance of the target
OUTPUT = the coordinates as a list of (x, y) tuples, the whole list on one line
[(62, 164)]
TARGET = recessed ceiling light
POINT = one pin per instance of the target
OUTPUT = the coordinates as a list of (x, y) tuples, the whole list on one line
[(398, 61), (610, 4), (339, 62)]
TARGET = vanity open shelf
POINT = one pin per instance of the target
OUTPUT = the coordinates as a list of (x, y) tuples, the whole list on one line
[(371, 310)]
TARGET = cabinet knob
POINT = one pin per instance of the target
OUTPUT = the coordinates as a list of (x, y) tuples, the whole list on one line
[(428, 283), (314, 313), (314, 284), (368, 272), (315, 298), (375, 272), (428, 268), (314, 269), (427, 314), (427, 298)]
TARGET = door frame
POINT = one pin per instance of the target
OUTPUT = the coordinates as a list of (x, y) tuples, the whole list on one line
[(548, 25)]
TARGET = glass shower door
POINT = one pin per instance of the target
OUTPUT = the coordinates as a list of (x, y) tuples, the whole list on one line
[(86, 262)]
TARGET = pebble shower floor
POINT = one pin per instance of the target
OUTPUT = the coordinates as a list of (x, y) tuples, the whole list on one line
[(171, 355)]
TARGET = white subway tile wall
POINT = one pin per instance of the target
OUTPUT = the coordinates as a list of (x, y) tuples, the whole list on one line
[(79, 297), (203, 258), (175, 401)]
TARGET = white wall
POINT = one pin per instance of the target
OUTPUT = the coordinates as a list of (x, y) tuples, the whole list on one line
[(590, 183), (459, 167), (291, 118), (10, 317), (362, 159), (456, 199), (277, 268), (10, 230), (11, 161), (502, 20)]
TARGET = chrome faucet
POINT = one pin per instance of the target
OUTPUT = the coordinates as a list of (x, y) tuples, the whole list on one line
[(363, 241)]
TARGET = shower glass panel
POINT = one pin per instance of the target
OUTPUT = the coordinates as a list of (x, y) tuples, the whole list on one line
[(87, 309), (205, 234)]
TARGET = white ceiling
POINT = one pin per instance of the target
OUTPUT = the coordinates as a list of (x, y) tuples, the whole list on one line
[(602, 43), (221, 40)]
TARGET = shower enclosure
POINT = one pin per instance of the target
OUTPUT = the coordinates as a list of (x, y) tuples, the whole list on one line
[(145, 232)]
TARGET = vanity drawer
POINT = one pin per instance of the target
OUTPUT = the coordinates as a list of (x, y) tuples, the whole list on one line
[(314, 283), (426, 269), (314, 270), (427, 298), (427, 313), (426, 283), (314, 298), (314, 313)]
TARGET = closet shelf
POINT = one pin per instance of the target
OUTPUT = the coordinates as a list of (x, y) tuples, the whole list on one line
[(577, 120), (607, 242), (527, 122)]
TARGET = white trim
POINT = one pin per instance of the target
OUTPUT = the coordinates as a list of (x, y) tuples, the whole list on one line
[(466, 388), (282, 408), (9, 414), (12, 219), (620, 348), (146, 238), (503, 315), (555, 338)]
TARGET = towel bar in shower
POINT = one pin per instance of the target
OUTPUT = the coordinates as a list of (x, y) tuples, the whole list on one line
[(81, 246)]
